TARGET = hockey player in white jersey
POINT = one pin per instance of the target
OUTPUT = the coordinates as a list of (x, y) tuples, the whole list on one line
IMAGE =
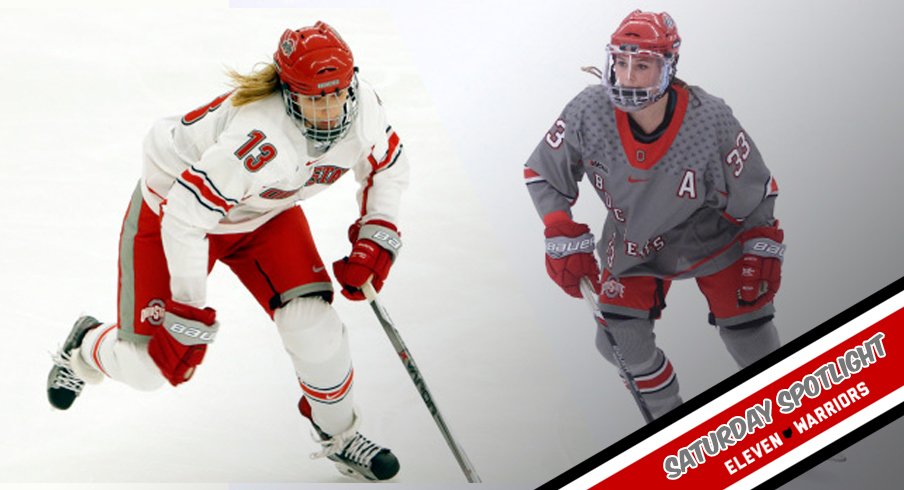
[(221, 183), (687, 194)]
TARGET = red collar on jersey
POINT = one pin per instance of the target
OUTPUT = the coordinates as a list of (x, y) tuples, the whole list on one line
[(644, 155)]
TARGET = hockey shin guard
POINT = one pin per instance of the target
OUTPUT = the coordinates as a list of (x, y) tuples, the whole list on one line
[(121, 360), (317, 343), (653, 373)]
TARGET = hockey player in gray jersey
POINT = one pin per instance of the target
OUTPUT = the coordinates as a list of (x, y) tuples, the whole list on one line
[(687, 193)]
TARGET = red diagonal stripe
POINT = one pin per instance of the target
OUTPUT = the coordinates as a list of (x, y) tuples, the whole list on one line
[(393, 145), (664, 376), (330, 396), (205, 191), (95, 352)]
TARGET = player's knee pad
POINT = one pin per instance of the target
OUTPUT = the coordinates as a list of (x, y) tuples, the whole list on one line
[(311, 331), (748, 342), (634, 337)]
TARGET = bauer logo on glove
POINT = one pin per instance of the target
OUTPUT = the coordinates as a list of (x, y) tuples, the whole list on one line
[(559, 246), (186, 334), (766, 248)]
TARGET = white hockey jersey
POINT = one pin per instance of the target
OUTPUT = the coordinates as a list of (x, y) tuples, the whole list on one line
[(224, 169)]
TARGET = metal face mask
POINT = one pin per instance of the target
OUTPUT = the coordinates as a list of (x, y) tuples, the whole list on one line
[(323, 118), (636, 78)]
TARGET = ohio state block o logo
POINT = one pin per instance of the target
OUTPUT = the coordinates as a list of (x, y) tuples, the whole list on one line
[(641, 155), (153, 312)]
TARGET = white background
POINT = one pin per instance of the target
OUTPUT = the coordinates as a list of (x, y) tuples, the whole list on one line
[(510, 359)]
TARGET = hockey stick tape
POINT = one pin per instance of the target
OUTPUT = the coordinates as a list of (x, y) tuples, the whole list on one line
[(368, 289)]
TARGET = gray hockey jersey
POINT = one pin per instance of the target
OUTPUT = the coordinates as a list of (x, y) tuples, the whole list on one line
[(675, 206)]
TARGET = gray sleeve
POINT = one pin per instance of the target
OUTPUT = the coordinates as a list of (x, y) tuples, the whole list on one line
[(554, 168), (749, 184)]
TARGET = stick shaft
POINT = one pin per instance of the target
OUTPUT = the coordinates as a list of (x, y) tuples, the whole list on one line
[(411, 367), (590, 296)]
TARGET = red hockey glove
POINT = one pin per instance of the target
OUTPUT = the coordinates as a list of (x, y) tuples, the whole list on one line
[(178, 346), (569, 256), (375, 245), (761, 265)]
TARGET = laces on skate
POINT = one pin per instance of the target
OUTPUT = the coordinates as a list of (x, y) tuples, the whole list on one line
[(65, 378), (333, 444)]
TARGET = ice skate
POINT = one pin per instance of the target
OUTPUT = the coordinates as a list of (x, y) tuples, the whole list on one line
[(356, 456), (359, 457), (69, 373)]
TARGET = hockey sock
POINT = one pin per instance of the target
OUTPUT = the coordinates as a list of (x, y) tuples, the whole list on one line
[(126, 362), (317, 343), (651, 369), (90, 348)]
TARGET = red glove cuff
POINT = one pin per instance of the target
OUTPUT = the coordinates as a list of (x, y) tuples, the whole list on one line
[(207, 316), (568, 229)]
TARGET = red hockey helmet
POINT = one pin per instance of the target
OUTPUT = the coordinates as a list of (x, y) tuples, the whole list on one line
[(648, 31), (315, 63), (648, 36)]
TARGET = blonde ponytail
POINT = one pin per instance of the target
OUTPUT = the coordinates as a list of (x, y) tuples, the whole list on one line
[(254, 86)]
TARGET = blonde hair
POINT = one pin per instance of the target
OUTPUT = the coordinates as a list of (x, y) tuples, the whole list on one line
[(254, 86)]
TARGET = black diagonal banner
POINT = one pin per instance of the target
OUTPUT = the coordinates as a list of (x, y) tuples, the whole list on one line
[(772, 421)]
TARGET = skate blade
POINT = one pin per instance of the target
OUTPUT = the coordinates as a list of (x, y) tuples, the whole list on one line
[(351, 472)]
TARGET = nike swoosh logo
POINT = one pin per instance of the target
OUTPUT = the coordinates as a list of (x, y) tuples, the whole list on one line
[(318, 270), (632, 180)]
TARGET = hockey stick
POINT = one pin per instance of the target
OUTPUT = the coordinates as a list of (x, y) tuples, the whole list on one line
[(419, 382), (590, 297)]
